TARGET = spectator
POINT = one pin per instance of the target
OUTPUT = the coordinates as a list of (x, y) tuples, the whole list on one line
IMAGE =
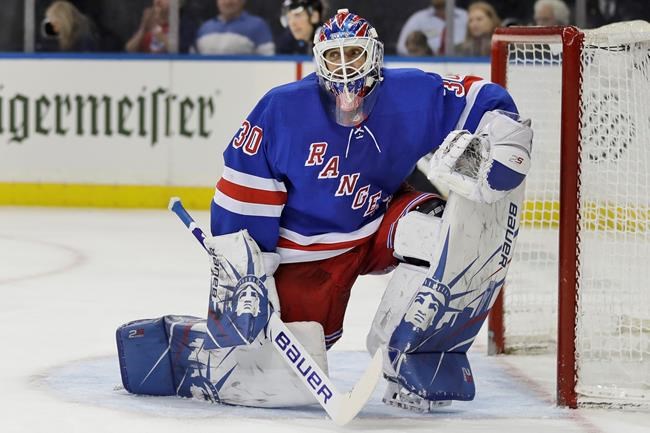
[(483, 19), (511, 21), (301, 18), (601, 12), (431, 22), (512, 12), (151, 36), (417, 45), (551, 13), (73, 30), (234, 31)]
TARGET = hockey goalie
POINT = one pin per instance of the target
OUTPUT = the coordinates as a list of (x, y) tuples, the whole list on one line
[(312, 196)]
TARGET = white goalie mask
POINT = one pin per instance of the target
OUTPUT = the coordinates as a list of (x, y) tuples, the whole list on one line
[(348, 59)]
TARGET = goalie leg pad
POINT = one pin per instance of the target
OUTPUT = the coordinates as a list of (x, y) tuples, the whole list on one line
[(428, 318), (401, 288), (437, 376), (432, 375), (145, 366), (167, 356)]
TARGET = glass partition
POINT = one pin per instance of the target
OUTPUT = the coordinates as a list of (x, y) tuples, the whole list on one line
[(170, 26), (12, 25)]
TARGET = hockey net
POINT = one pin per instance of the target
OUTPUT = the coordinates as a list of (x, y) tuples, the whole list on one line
[(579, 282)]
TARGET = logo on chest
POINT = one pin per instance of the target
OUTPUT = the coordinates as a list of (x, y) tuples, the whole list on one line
[(348, 183)]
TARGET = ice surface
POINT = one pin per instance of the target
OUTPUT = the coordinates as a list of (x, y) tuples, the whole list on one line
[(69, 277), (94, 381)]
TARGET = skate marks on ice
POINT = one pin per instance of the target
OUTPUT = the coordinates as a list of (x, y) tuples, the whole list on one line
[(499, 395)]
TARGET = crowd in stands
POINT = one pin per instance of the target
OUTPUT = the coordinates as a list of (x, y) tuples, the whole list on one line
[(268, 27)]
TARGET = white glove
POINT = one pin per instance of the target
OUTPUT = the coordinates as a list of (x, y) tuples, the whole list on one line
[(484, 167)]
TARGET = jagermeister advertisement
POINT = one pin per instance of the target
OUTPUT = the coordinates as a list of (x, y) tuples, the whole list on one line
[(117, 121), (149, 114)]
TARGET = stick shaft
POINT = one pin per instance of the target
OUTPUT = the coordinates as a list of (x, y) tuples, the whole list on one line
[(176, 206)]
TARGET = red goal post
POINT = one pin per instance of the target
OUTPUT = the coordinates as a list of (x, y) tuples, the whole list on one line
[(586, 94)]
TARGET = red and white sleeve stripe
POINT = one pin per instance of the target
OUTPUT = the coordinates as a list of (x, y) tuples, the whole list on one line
[(473, 86), (246, 194)]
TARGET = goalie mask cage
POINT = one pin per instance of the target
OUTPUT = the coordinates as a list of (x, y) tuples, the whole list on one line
[(579, 280)]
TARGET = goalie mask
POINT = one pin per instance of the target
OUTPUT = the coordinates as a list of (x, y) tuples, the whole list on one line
[(348, 59)]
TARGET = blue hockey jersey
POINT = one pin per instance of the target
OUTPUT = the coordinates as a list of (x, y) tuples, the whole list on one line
[(309, 188)]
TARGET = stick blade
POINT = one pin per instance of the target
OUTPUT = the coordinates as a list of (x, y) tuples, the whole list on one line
[(356, 399)]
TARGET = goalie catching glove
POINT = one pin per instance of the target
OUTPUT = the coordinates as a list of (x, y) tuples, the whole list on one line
[(484, 167), (242, 290)]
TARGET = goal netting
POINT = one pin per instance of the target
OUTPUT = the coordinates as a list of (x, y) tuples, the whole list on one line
[(579, 282)]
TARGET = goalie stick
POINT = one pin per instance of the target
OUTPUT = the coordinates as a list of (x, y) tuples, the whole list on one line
[(341, 407)]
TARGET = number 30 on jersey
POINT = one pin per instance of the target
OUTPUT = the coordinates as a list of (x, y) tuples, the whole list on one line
[(248, 138)]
